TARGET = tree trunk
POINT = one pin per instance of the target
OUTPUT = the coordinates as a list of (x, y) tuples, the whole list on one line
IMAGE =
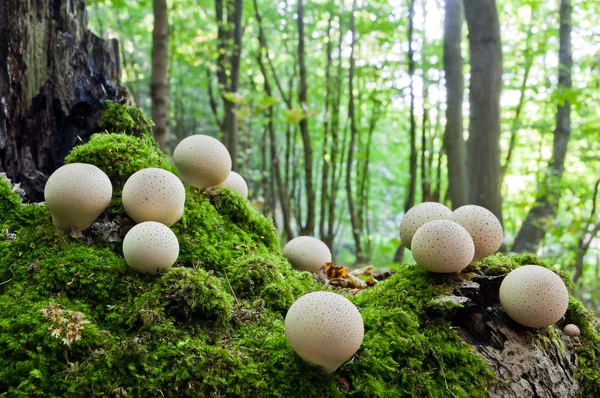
[(412, 183), (282, 190), (335, 143), (54, 73), (309, 226), (454, 142), (325, 196), (546, 202), (485, 58), (354, 221), (160, 62), (229, 47)]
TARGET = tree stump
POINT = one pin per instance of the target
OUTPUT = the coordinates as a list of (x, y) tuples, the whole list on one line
[(54, 73)]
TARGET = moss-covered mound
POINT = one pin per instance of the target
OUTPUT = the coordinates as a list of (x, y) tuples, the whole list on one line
[(75, 320)]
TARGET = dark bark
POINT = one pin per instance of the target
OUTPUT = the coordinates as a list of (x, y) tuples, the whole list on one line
[(523, 367), (485, 58), (454, 143), (412, 183), (546, 203), (54, 73), (309, 226), (229, 39), (159, 85)]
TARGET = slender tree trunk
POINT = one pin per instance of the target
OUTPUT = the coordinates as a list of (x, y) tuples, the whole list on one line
[(326, 130), (485, 58), (353, 131), (160, 64), (365, 182), (412, 184), (454, 142), (234, 16), (335, 143), (546, 203), (284, 199), (229, 38), (425, 170), (309, 226)]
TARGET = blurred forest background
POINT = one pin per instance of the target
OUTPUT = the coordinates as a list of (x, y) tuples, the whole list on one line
[(343, 114)]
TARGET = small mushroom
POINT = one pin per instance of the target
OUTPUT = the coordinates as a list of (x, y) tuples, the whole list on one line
[(484, 227), (76, 194), (307, 253), (572, 330), (442, 246), (150, 247), (419, 215), (202, 161), (236, 183), (324, 329), (534, 296), (154, 195)]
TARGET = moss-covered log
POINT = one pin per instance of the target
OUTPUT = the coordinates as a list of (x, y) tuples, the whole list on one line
[(77, 321)]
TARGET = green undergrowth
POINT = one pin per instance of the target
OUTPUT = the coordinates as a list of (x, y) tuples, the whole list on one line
[(76, 321)]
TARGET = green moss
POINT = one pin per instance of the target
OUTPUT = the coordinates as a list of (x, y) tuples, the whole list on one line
[(9, 200), (588, 352), (124, 119), (187, 295), (214, 324), (119, 156)]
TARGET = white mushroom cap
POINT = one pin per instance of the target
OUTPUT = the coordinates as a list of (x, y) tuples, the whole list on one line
[(534, 296), (154, 195), (76, 194), (484, 227), (572, 330), (419, 215), (202, 161), (307, 253), (150, 247), (324, 328), (236, 183), (442, 246)]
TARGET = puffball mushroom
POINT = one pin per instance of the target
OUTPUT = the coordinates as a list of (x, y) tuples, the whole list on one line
[(150, 247), (419, 215), (202, 161), (236, 183), (307, 253), (572, 330), (76, 194), (324, 329), (154, 195), (442, 246), (484, 227), (534, 296)]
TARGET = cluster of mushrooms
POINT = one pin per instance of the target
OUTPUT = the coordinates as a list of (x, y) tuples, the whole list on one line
[(441, 241), (77, 193)]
